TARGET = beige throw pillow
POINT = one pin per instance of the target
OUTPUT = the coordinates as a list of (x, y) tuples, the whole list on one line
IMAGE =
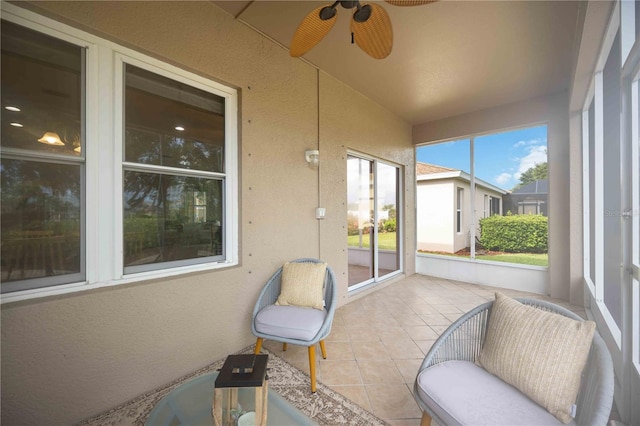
[(540, 353), (302, 285)]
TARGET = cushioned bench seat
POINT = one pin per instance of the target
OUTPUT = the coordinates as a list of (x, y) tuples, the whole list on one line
[(462, 393)]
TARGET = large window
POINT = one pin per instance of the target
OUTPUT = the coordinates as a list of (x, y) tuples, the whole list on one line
[(173, 173), (42, 165), (115, 167), (470, 191)]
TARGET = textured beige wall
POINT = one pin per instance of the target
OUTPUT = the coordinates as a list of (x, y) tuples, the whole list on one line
[(552, 110), (70, 357)]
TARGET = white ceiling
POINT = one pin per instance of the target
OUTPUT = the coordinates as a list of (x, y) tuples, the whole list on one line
[(448, 58)]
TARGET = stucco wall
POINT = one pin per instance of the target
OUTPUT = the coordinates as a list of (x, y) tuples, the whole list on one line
[(69, 357), (552, 110)]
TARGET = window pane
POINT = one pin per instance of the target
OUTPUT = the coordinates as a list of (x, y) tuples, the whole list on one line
[(360, 198), (169, 123), (592, 192), (611, 195), (41, 221), (387, 204), (42, 201), (171, 218), (41, 92), (512, 168), (510, 175)]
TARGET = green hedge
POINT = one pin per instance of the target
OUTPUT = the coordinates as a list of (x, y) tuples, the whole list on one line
[(515, 233)]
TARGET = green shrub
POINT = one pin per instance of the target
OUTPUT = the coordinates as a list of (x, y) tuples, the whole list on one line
[(515, 233), (389, 225)]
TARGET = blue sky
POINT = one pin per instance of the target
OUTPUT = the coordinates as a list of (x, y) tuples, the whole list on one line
[(500, 158)]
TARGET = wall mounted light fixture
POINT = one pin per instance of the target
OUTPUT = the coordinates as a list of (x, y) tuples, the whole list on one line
[(312, 156)]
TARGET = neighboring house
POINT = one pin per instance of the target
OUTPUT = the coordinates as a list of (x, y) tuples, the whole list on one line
[(444, 216), (528, 199)]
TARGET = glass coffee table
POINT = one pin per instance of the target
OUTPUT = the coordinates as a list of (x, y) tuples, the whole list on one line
[(190, 404)]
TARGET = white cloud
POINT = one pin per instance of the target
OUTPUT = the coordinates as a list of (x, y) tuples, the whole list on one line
[(502, 178), (537, 154), (530, 142)]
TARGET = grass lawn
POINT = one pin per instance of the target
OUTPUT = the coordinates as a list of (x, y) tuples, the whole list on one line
[(536, 259), (386, 241)]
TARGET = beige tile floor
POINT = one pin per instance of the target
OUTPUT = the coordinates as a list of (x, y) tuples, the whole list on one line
[(378, 341)]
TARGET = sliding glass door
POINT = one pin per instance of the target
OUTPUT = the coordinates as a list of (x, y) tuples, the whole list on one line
[(373, 231)]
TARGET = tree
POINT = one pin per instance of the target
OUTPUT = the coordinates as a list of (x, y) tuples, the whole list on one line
[(392, 210), (537, 172)]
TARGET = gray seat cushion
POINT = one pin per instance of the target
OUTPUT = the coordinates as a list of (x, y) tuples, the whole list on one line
[(291, 322), (462, 393)]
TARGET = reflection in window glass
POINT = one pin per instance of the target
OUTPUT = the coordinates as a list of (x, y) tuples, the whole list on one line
[(41, 220), (387, 202), (360, 220), (171, 218), (172, 124), (42, 200), (41, 92), (373, 234), (171, 215)]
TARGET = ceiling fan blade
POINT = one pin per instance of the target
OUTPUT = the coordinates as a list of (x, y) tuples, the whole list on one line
[(409, 2), (311, 30), (373, 35)]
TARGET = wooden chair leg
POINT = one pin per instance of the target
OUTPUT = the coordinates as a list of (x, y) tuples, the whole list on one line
[(284, 347), (258, 347), (426, 419), (323, 349), (312, 367)]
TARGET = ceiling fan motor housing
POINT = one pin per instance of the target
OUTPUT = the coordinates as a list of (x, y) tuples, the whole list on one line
[(349, 4)]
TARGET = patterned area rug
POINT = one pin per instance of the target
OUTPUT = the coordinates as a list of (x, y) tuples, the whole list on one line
[(326, 407)]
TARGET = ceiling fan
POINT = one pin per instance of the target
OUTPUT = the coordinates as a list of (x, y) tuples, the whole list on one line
[(370, 27)]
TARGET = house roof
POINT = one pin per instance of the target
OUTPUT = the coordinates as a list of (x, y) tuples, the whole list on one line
[(540, 186), (430, 172), (427, 169)]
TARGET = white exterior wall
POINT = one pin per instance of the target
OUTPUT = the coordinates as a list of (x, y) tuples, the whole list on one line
[(436, 215)]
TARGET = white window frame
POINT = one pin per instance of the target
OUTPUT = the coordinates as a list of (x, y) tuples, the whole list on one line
[(459, 209), (104, 161), (596, 95)]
